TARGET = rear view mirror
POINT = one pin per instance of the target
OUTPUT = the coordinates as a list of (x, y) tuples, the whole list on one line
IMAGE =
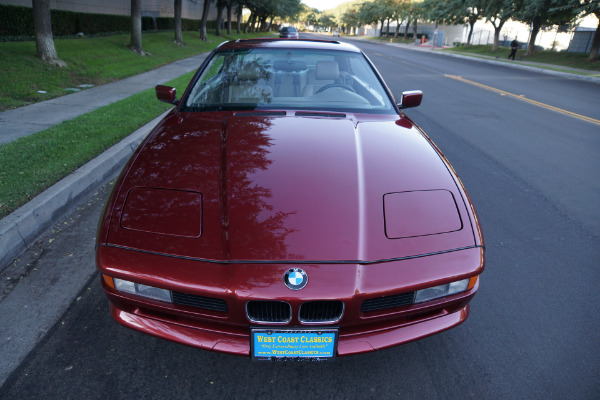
[(166, 94), (410, 99)]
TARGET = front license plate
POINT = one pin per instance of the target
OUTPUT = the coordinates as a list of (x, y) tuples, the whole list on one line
[(293, 344)]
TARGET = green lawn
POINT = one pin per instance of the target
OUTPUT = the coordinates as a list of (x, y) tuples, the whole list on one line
[(31, 164), (558, 59), (93, 61), (554, 58)]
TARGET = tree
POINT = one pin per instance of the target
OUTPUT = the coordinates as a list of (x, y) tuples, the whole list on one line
[(497, 12), (369, 13), (401, 8), (471, 15), (412, 11), (417, 10), (205, 11), (288, 9), (309, 16), (389, 8), (135, 44), (239, 10), (350, 19), (455, 12), (583, 8), (540, 13), (229, 5), (177, 23), (44, 43), (263, 10), (220, 6), (250, 24), (326, 20)]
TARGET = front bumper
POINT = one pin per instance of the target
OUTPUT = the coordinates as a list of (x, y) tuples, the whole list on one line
[(229, 331), (236, 340)]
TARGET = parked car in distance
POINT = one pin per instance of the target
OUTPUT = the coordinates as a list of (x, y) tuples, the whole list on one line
[(336, 33), (289, 32), (288, 208)]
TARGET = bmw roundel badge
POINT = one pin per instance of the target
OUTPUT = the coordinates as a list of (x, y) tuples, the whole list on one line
[(295, 278)]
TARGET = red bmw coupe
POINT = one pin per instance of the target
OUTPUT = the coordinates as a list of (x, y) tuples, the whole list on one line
[(286, 208)]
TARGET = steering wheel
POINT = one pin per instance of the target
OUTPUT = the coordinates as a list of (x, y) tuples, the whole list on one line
[(333, 85)]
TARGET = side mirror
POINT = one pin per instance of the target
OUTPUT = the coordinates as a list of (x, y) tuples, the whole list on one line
[(166, 94), (410, 99)]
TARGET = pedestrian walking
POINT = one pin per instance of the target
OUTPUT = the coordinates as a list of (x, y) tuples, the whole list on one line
[(514, 45)]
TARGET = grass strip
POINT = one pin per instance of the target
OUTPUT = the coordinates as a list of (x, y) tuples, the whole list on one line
[(554, 58), (33, 163), (94, 61)]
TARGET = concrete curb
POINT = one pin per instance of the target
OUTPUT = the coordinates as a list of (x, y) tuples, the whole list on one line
[(20, 229), (561, 74)]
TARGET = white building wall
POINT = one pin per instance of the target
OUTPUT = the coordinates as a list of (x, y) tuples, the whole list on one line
[(483, 33)]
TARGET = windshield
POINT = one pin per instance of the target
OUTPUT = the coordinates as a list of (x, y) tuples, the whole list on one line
[(265, 78)]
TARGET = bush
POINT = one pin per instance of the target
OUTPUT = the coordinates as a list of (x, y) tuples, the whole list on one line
[(16, 23)]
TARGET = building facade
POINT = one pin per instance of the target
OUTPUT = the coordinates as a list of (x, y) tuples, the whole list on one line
[(151, 8)]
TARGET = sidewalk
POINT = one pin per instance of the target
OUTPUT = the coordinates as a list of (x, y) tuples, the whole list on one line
[(37, 117), (19, 230)]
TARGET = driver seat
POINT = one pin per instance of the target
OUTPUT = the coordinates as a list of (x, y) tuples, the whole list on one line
[(326, 72)]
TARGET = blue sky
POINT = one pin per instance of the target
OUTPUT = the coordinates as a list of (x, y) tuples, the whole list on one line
[(323, 4)]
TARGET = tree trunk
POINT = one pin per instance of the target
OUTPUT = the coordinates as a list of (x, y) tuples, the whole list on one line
[(406, 29), (387, 29), (136, 27), (397, 28), (497, 30), (229, 16), (537, 24), (381, 28), (44, 43), (239, 18), (415, 29), (271, 22), (250, 24), (595, 43), (205, 10), (177, 23), (263, 24), (470, 35), (254, 23), (219, 17)]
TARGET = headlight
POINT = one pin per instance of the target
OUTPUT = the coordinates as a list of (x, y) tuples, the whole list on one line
[(138, 289), (444, 290)]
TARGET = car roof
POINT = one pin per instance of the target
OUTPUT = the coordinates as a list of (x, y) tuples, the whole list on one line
[(277, 43)]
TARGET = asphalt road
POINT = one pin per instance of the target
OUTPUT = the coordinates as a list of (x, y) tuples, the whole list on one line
[(533, 333)]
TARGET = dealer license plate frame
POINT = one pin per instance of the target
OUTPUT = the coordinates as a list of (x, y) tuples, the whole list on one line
[(264, 352)]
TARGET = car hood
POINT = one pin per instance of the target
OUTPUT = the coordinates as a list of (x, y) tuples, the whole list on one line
[(288, 188)]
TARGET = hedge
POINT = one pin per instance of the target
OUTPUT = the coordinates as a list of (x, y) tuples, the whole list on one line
[(17, 22)]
